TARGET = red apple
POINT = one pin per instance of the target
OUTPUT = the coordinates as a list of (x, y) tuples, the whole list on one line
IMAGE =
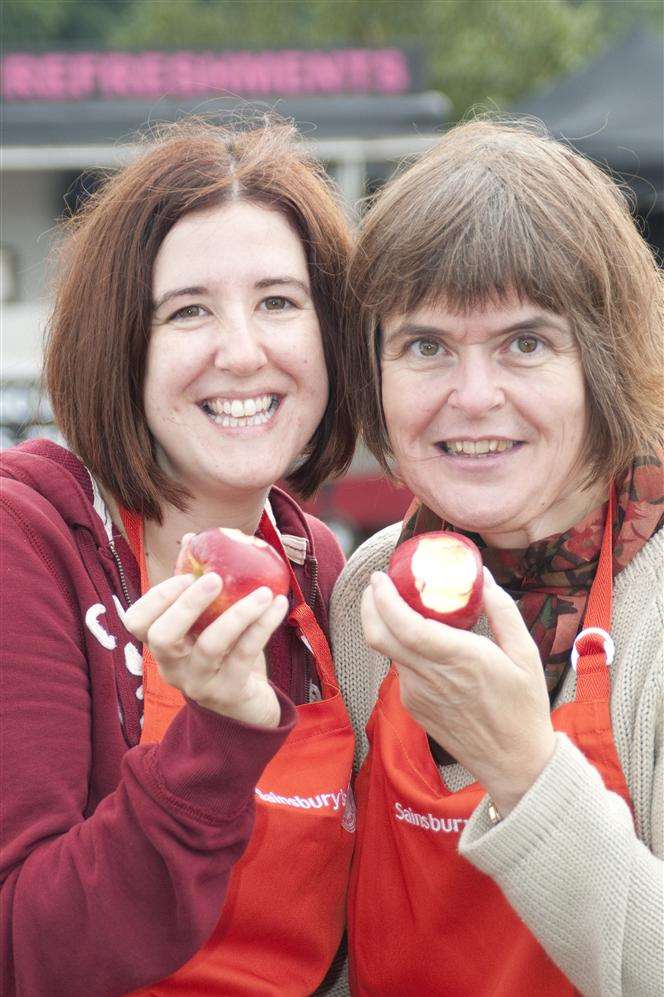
[(440, 575), (244, 563)]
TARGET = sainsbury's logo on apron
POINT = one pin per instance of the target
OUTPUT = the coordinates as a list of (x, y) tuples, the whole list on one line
[(342, 800), (428, 822)]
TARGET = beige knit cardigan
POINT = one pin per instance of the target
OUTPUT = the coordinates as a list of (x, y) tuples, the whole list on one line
[(585, 878)]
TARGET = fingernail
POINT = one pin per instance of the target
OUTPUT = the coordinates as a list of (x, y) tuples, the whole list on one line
[(211, 582), (263, 596)]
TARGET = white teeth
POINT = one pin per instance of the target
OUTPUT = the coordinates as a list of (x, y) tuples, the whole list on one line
[(242, 411), (473, 448), (239, 408)]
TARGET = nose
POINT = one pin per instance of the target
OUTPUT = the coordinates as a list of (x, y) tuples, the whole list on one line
[(239, 348), (476, 388)]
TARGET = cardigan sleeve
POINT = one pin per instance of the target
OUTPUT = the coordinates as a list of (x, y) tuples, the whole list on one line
[(569, 862)]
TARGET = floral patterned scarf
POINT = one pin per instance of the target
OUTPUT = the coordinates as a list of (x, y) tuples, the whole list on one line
[(551, 578)]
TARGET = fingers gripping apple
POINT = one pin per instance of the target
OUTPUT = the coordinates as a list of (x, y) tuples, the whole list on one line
[(244, 563), (440, 575)]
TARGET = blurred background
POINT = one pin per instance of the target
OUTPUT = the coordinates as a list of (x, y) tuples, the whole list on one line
[(369, 82)]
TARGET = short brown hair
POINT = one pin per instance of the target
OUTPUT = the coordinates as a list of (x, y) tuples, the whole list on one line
[(498, 208), (98, 336)]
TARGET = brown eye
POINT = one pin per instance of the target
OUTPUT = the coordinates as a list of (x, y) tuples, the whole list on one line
[(275, 304), (189, 311), (427, 347), (526, 344)]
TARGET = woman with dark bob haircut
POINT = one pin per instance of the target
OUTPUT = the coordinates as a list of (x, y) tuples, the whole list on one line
[(158, 824), (507, 345)]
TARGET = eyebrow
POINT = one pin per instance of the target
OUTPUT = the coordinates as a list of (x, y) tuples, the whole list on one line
[(260, 285), (525, 325)]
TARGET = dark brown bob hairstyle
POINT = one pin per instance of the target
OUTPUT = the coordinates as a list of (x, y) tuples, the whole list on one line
[(98, 336), (497, 208)]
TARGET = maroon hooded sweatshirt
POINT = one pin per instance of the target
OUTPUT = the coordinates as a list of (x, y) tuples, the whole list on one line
[(115, 855)]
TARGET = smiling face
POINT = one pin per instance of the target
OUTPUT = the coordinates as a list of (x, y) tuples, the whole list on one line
[(236, 381), (487, 415)]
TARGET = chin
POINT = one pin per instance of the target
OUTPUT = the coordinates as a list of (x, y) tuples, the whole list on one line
[(474, 519)]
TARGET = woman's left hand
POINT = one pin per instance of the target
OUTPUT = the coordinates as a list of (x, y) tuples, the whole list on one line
[(485, 702)]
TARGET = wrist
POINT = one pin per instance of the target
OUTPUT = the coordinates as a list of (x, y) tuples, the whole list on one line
[(258, 711), (507, 788)]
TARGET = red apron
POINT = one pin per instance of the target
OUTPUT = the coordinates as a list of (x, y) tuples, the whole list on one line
[(422, 919), (283, 917)]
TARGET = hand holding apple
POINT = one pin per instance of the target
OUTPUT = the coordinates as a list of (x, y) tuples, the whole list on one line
[(243, 563), (208, 634), (484, 701), (441, 576)]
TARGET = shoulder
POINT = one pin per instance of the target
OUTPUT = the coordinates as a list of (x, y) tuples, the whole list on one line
[(329, 556), (304, 536), (326, 547), (310, 545), (637, 699), (359, 669), (373, 555), (638, 592), (26, 510)]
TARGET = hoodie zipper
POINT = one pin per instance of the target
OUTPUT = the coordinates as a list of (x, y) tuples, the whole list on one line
[(123, 580), (314, 583)]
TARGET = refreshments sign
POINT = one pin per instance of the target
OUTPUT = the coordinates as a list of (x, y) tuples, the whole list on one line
[(189, 75)]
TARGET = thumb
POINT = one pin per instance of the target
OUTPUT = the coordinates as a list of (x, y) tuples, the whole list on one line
[(507, 625)]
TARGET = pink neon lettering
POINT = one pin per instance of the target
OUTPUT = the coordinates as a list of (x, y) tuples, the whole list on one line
[(81, 75), (391, 73), (146, 75), (359, 70), (324, 73), (185, 74), (18, 76), (109, 75), (113, 74), (255, 73)]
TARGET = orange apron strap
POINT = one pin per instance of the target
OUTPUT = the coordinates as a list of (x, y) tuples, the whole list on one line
[(301, 615), (593, 647), (161, 701)]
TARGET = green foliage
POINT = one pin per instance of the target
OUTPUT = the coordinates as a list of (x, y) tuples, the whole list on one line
[(35, 24), (488, 51)]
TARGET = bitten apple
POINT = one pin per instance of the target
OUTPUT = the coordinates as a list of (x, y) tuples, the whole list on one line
[(244, 563), (440, 575)]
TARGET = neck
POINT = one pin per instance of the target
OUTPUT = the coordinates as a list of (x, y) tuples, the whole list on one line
[(162, 542), (565, 514)]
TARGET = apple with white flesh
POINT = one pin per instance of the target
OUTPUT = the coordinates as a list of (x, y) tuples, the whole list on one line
[(440, 575), (244, 563)]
